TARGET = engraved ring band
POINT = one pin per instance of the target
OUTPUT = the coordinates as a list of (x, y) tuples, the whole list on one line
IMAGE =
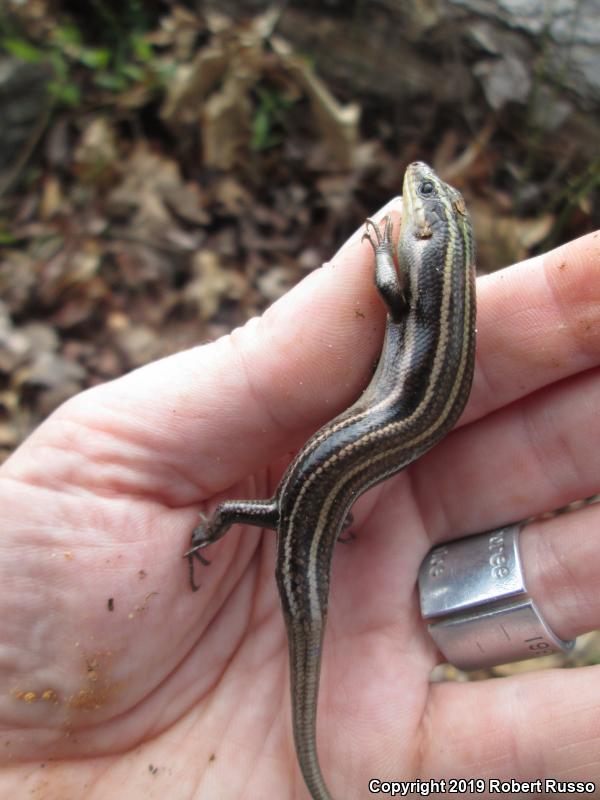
[(476, 604)]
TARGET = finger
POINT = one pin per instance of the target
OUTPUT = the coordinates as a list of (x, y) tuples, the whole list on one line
[(530, 457), (508, 728), (562, 570), (311, 353), (534, 455), (537, 322)]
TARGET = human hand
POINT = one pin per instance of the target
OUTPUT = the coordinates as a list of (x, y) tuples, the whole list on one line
[(188, 693)]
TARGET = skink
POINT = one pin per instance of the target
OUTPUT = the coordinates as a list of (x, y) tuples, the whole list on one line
[(417, 393)]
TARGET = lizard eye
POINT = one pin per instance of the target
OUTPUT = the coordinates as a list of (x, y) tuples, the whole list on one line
[(426, 188)]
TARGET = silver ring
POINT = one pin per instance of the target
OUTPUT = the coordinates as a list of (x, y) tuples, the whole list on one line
[(474, 599)]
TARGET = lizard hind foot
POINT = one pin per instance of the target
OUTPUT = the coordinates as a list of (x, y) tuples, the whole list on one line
[(199, 541)]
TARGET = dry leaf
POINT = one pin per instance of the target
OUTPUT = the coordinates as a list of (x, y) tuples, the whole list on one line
[(212, 283)]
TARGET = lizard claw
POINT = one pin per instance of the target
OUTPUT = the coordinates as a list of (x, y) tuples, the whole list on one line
[(374, 235), (198, 543)]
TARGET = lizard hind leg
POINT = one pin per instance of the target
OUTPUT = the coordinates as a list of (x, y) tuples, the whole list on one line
[(261, 513)]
